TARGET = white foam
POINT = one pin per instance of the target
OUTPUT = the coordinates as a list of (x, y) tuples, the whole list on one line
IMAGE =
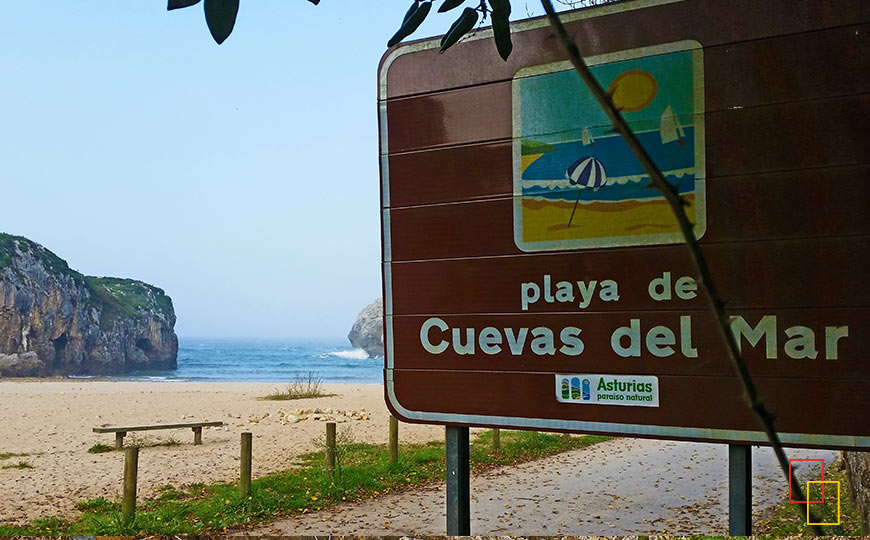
[(353, 354)]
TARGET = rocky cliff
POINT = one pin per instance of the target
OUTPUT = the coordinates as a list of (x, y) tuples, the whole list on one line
[(367, 332), (56, 321)]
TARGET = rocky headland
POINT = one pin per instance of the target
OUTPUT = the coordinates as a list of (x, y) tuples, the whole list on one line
[(56, 321), (367, 332)]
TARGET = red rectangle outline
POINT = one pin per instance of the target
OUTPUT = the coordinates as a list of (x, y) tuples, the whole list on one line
[(789, 481)]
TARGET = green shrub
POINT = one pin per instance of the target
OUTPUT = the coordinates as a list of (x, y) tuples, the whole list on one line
[(99, 448), (305, 386), (19, 465)]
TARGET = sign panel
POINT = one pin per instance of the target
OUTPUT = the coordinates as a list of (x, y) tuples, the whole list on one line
[(533, 280)]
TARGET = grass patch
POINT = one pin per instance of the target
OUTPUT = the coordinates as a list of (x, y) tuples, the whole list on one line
[(148, 443), (305, 386), (7, 455), (783, 520), (133, 440), (366, 472), (19, 465), (97, 505), (100, 448)]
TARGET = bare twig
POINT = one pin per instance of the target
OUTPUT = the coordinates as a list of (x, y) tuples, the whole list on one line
[(676, 203)]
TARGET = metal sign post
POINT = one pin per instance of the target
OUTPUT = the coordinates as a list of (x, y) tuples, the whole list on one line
[(739, 490), (458, 474)]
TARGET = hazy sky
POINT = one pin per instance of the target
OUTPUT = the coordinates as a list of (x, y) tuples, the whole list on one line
[(241, 178)]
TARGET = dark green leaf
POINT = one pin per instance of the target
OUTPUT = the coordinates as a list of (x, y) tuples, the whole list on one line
[(501, 6), (450, 4), (220, 15), (460, 27), (411, 23), (178, 4), (501, 29), (451, 29), (411, 10)]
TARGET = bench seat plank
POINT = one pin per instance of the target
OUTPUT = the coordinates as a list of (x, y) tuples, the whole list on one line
[(115, 429)]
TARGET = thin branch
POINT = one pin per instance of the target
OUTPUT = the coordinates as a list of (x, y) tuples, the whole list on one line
[(676, 204)]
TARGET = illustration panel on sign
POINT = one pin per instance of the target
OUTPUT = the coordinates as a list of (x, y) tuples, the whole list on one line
[(576, 183)]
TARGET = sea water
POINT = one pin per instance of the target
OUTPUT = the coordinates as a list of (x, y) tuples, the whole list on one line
[(256, 360)]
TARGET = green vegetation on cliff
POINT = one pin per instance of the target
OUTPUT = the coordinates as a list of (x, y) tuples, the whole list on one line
[(127, 297), (10, 246), (117, 297)]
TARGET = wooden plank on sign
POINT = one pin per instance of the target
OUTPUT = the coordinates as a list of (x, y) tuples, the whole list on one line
[(450, 118), (807, 134), (802, 198), (451, 174), (584, 340), (688, 402), (748, 275), (783, 69), (615, 28), (818, 133)]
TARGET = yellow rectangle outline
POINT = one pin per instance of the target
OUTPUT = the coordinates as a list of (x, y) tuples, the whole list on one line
[(838, 500)]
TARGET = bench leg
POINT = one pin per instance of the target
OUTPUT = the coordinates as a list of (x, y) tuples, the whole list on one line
[(119, 439), (197, 436)]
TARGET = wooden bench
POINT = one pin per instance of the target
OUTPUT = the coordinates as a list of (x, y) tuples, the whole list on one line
[(121, 431)]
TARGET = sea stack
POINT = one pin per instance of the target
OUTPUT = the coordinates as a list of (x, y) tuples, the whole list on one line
[(56, 321), (367, 332)]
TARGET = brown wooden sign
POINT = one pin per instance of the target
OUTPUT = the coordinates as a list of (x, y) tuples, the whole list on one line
[(533, 280)]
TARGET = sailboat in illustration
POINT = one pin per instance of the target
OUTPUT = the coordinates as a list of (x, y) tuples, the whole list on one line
[(670, 128), (587, 137)]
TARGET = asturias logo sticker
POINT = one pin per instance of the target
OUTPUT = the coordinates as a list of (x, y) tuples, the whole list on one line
[(631, 390)]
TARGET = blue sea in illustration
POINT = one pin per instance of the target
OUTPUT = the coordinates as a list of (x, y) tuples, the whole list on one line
[(255, 360), (619, 162)]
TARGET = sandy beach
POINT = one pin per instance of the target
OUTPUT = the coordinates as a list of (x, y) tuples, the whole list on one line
[(52, 422)]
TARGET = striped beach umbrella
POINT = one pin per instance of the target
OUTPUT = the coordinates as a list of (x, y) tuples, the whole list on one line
[(587, 173)]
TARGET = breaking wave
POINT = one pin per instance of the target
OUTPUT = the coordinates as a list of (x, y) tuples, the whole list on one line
[(353, 354)]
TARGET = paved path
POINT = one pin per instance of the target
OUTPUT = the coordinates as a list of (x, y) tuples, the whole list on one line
[(618, 487)]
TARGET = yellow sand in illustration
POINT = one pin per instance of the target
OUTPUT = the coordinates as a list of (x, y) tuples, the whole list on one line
[(548, 220), (528, 159)]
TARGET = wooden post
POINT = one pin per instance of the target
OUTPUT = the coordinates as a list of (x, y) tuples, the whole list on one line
[(197, 435), (496, 439), (394, 439), (245, 464), (119, 439), (131, 472), (330, 448), (739, 490), (458, 482)]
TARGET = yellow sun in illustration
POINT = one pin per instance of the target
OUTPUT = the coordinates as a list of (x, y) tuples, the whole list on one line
[(633, 90)]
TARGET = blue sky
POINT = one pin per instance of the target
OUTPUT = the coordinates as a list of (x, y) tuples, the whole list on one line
[(132, 145), (552, 118)]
